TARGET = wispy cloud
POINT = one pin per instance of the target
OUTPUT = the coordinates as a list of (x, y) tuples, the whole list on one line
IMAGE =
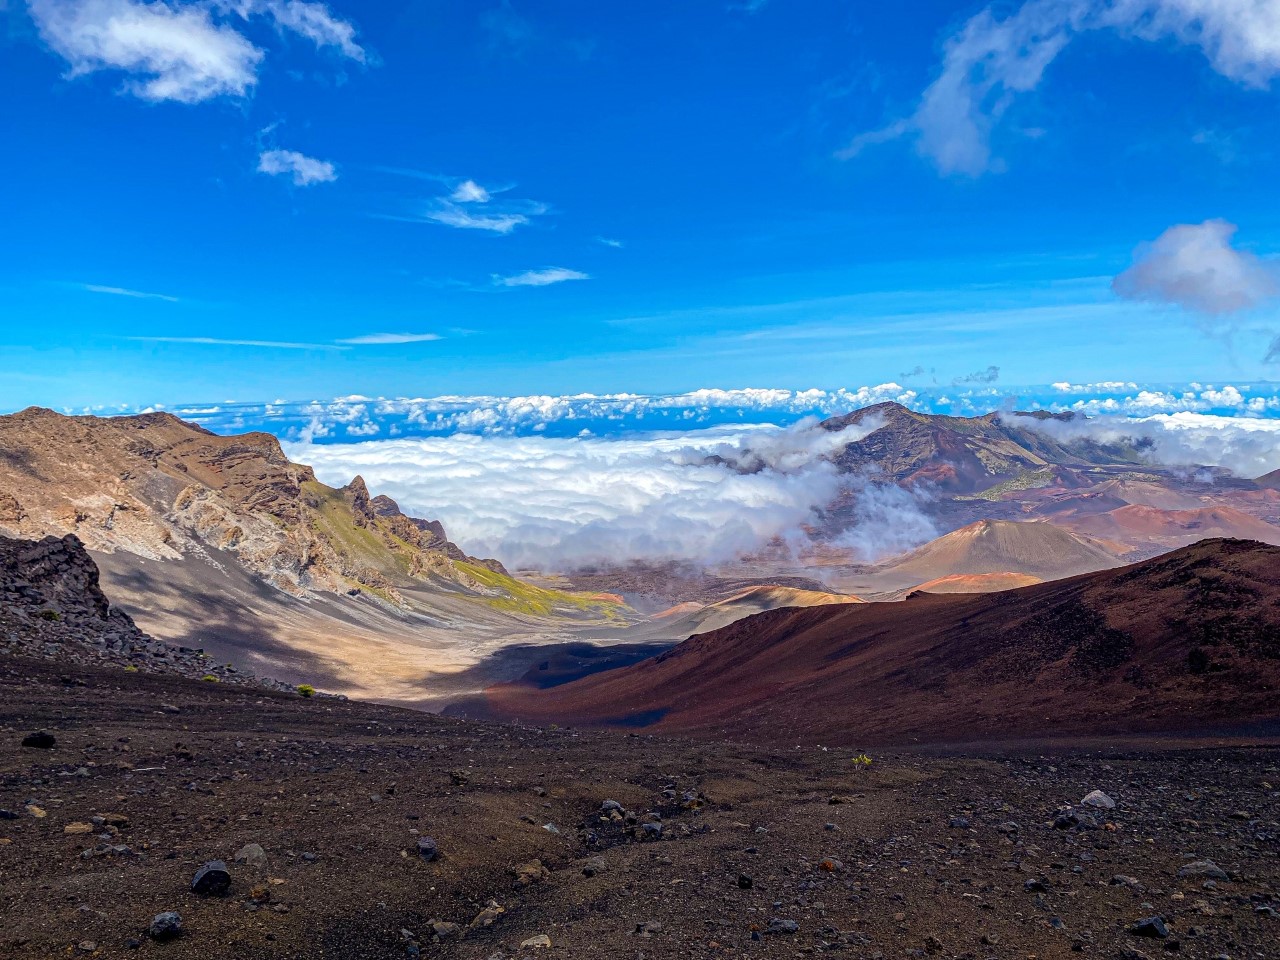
[(470, 205), (377, 339), (233, 342), (993, 59), (304, 170), (185, 51), (610, 242), (540, 278), (125, 292), (451, 214), (989, 375), (468, 191)]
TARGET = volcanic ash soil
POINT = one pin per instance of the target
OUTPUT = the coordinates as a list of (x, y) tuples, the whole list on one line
[(356, 831)]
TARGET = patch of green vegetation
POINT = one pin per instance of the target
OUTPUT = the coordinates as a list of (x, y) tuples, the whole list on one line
[(53, 616), (1028, 480), (333, 520), (516, 596), (210, 678), (306, 690)]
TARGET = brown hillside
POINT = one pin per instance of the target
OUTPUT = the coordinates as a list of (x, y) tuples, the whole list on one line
[(1173, 528), (1004, 546), (1188, 641)]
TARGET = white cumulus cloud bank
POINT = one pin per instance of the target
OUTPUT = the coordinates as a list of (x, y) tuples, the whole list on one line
[(1247, 446), (1195, 267), (996, 57), (180, 50), (304, 170), (706, 496)]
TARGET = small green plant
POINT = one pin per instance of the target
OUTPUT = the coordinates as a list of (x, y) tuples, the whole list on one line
[(861, 761), (210, 678), (131, 669), (53, 616), (306, 690)]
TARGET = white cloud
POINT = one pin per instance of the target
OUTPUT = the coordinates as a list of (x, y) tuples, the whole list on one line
[(304, 170), (1247, 446), (371, 339), (181, 50), (468, 191), (311, 20), (993, 59), (504, 221), (125, 292), (707, 496), (1195, 267), (540, 278), (609, 242)]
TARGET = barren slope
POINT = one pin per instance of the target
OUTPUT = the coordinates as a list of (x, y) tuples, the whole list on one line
[(1188, 641)]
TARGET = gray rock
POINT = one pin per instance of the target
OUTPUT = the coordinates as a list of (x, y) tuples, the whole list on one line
[(252, 855), (778, 925), (1099, 799), (165, 926), (1203, 868), (427, 849)]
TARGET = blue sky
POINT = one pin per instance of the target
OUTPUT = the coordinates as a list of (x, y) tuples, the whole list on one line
[(260, 199)]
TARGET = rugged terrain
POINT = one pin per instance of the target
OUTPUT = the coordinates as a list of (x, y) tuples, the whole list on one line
[(761, 853), (223, 544), (1187, 642)]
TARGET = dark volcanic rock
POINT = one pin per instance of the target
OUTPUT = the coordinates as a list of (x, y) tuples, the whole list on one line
[(40, 741), (212, 880)]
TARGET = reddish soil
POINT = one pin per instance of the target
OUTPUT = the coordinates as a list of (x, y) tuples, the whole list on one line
[(1186, 642)]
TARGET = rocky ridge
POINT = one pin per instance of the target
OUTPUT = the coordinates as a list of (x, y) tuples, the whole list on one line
[(52, 607)]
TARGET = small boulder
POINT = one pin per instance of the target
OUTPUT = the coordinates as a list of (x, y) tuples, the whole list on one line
[(1151, 927), (778, 925), (530, 873), (165, 926), (40, 741), (427, 849), (540, 941), (1100, 800), (211, 880), (252, 855), (1203, 868)]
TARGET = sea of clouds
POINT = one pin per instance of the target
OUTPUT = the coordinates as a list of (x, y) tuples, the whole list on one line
[(562, 482), (708, 495)]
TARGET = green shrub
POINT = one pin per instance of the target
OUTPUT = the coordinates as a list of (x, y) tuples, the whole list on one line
[(210, 678), (306, 690), (131, 669), (53, 616)]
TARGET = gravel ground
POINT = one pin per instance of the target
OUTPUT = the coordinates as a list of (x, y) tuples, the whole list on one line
[(712, 849)]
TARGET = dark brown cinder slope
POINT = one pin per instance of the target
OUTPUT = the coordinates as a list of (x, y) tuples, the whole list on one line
[(1184, 643)]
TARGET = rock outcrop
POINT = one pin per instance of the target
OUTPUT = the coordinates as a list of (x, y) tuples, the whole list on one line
[(52, 607)]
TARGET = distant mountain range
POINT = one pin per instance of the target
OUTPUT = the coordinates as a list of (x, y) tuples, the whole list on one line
[(221, 543)]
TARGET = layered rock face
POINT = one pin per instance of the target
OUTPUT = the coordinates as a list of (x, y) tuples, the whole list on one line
[(160, 488), (52, 607)]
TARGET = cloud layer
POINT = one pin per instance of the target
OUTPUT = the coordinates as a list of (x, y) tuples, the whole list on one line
[(705, 496)]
